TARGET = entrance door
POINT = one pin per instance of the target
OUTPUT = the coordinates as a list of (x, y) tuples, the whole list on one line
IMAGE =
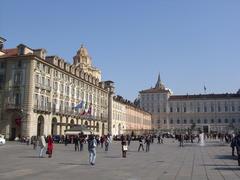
[(13, 133)]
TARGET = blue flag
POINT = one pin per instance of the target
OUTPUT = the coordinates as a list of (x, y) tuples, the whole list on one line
[(79, 106)]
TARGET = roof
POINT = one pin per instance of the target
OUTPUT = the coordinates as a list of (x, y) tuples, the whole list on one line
[(204, 96), (10, 52), (155, 90)]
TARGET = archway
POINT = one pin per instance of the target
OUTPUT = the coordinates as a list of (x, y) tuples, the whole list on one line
[(40, 126), (86, 123), (71, 123), (54, 126), (16, 124)]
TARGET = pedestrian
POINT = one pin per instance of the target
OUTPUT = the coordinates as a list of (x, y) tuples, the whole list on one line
[(81, 140), (42, 145), (102, 141), (50, 146), (181, 139), (76, 143), (124, 146), (92, 143), (129, 139), (147, 142), (34, 142), (107, 141), (140, 143), (238, 147), (233, 145)]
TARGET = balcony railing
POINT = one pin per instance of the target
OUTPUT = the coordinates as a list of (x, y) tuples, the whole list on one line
[(46, 108), (13, 106)]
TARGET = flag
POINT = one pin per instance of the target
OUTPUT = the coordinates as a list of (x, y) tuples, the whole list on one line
[(79, 106), (90, 109)]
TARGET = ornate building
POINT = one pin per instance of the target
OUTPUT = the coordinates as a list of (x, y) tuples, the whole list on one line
[(208, 112), (43, 95)]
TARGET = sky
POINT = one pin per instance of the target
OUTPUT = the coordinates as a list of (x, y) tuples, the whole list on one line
[(191, 43)]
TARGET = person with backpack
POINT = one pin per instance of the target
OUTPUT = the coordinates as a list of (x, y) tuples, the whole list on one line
[(92, 143)]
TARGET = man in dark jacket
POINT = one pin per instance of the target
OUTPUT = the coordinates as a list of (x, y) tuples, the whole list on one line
[(233, 145), (238, 147)]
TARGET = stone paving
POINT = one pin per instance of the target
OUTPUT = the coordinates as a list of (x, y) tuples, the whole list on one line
[(164, 162)]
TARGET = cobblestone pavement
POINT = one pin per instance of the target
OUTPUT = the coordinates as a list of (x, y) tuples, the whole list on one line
[(164, 162)]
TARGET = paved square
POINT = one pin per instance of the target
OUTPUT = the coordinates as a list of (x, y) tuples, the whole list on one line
[(167, 161)]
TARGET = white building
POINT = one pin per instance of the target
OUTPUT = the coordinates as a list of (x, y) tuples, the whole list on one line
[(208, 112)]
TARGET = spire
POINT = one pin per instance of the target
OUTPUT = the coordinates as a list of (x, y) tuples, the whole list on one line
[(159, 84)]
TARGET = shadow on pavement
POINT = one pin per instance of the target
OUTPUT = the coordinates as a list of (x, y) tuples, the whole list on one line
[(30, 157), (227, 169), (74, 164), (116, 157), (226, 157), (224, 165)]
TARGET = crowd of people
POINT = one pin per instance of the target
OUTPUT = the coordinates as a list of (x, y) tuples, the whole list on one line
[(46, 144)]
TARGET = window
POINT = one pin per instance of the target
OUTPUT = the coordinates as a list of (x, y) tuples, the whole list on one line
[(185, 121), (164, 121), (205, 121), (198, 121), (212, 121), (233, 120), (226, 108), (212, 108), (17, 78), (233, 108), (205, 109), (17, 98), (178, 109), (219, 121), (171, 109), (191, 121), (198, 109), (185, 109), (171, 121), (178, 121), (158, 121), (226, 121), (219, 108)]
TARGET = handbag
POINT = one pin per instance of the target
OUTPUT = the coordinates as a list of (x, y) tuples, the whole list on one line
[(47, 152), (125, 147)]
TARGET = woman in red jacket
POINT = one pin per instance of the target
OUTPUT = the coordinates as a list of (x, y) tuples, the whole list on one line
[(50, 146)]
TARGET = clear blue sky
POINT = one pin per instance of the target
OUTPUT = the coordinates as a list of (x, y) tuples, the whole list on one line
[(190, 42)]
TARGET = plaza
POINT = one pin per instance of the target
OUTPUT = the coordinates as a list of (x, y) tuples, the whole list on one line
[(164, 161)]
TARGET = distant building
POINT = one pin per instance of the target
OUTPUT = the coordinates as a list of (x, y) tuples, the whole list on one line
[(208, 112), (128, 118)]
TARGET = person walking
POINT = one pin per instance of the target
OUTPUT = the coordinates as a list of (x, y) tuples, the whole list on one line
[(42, 145), (238, 147), (181, 139), (107, 141), (233, 145), (81, 141), (76, 143), (147, 142), (50, 146), (124, 146), (140, 144), (92, 143)]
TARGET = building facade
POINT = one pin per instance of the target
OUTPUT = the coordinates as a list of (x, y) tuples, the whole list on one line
[(43, 95), (207, 112), (128, 118)]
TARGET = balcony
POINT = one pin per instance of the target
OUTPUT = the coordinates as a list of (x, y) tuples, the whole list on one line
[(42, 109), (12, 106)]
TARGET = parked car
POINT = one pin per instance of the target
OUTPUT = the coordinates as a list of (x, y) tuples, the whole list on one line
[(2, 139)]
